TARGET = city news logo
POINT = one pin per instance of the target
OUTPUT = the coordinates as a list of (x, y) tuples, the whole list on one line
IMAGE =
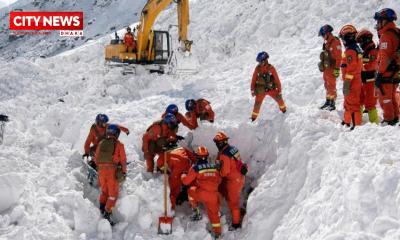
[(70, 24)]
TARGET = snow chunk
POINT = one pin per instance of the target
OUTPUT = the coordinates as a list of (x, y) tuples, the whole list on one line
[(11, 188)]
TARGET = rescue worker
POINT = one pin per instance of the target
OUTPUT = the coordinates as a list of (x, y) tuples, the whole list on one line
[(330, 64), (155, 138), (96, 134), (351, 74), (265, 82), (110, 158), (173, 109), (388, 66), (199, 108), (129, 41), (206, 178), (232, 172), (179, 160), (370, 53)]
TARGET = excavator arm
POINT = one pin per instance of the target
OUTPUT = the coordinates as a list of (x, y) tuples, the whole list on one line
[(149, 14)]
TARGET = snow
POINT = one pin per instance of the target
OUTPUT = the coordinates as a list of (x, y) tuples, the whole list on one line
[(312, 178)]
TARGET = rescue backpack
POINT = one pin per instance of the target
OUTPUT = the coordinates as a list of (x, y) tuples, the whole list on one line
[(233, 152), (265, 81), (99, 137), (161, 142), (107, 150), (327, 61)]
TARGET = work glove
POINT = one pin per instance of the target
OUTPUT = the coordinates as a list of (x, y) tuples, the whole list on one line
[(179, 137), (183, 175), (346, 88), (127, 133), (336, 72), (86, 155)]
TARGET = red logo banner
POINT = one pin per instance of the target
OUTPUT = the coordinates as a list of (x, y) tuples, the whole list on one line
[(46, 20)]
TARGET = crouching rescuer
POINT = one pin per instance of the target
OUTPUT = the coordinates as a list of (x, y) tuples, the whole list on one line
[(110, 158), (265, 82), (205, 179)]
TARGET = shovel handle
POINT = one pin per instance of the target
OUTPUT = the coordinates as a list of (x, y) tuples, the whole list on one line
[(165, 183)]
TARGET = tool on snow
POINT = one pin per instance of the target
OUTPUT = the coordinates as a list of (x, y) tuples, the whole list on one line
[(3, 120), (165, 222)]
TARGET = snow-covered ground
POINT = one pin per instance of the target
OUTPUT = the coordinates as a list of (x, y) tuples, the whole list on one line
[(313, 178)]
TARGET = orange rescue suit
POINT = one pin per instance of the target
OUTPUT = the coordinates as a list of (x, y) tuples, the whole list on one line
[(351, 74), (233, 180), (154, 139), (368, 98), (181, 119), (202, 110), (207, 178), (96, 134), (107, 172), (388, 44), (130, 42), (333, 46), (179, 161), (271, 87)]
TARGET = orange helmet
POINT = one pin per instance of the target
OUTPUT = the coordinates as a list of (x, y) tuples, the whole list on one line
[(201, 151), (347, 29), (220, 137)]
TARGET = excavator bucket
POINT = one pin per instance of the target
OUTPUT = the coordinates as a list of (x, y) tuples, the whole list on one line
[(183, 63)]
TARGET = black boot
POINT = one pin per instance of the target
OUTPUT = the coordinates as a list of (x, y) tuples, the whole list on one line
[(326, 104), (102, 208), (107, 216), (234, 226), (196, 215), (331, 106)]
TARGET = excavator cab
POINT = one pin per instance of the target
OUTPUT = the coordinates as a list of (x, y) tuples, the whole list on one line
[(158, 52), (162, 48)]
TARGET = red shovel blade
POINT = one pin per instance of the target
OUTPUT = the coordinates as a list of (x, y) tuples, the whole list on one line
[(165, 225)]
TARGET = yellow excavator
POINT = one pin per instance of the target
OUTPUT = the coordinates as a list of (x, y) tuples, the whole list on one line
[(153, 48)]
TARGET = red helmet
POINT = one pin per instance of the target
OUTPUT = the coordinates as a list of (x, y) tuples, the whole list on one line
[(201, 151), (220, 137), (347, 29), (362, 34)]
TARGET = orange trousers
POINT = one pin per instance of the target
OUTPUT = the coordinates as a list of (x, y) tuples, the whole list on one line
[(175, 185), (274, 94), (329, 83), (109, 187), (210, 201), (231, 190), (367, 97), (388, 101), (352, 107)]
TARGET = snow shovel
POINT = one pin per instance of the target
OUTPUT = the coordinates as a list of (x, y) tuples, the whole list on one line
[(165, 222)]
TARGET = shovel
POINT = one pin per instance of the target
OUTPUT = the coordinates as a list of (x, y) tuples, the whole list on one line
[(165, 222)]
